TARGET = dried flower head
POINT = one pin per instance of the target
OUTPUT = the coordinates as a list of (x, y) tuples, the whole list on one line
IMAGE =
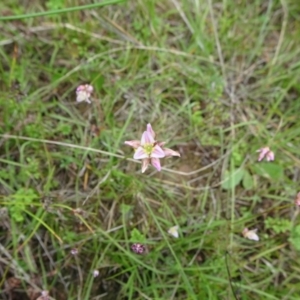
[(149, 150), (138, 248), (78, 211), (250, 234), (266, 153), (83, 93)]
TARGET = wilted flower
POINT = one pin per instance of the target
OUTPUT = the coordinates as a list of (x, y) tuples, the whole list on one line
[(84, 92), (266, 153), (297, 200), (138, 248), (174, 231), (74, 251), (95, 273), (44, 296), (149, 150), (250, 234), (77, 211)]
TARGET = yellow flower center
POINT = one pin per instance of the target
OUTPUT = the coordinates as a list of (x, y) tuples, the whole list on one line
[(148, 148)]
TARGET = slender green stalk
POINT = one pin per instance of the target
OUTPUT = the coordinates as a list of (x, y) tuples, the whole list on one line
[(61, 11)]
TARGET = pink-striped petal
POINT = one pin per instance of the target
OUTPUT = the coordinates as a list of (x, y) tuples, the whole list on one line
[(150, 130), (140, 153), (145, 164), (135, 144), (170, 152), (147, 138), (155, 162), (157, 152), (262, 153)]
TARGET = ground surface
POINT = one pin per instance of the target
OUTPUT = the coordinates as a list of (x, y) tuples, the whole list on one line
[(217, 80)]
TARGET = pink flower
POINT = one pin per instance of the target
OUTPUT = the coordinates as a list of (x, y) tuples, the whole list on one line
[(149, 150), (74, 251), (138, 248), (84, 92), (297, 200), (266, 153)]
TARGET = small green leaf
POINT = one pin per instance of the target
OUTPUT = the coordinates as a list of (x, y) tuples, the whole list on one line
[(269, 170), (295, 237), (248, 182), (137, 236), (237, 157), (125, 209), (232, 179), (17, 215), (279, 225)]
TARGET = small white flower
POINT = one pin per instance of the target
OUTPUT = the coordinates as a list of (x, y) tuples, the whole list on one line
[(83, 93), (174, 231), (74, 251), (44, 296), (250, 234), (95, 273)]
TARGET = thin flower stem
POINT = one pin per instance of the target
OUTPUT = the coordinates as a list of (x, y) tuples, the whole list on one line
[(60, 11), (24, 138)]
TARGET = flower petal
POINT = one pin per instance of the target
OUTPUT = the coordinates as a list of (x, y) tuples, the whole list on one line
[(170, 152), (150, 130), (83, 96), (89, 88), (85, 87), (297, 200), (145, 164), (262, 153), (147, 138), (270, 156), (174, 231), (140, 153), (80, 88), (250, 234), (157, 152), (155, 162), (135, 144)]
